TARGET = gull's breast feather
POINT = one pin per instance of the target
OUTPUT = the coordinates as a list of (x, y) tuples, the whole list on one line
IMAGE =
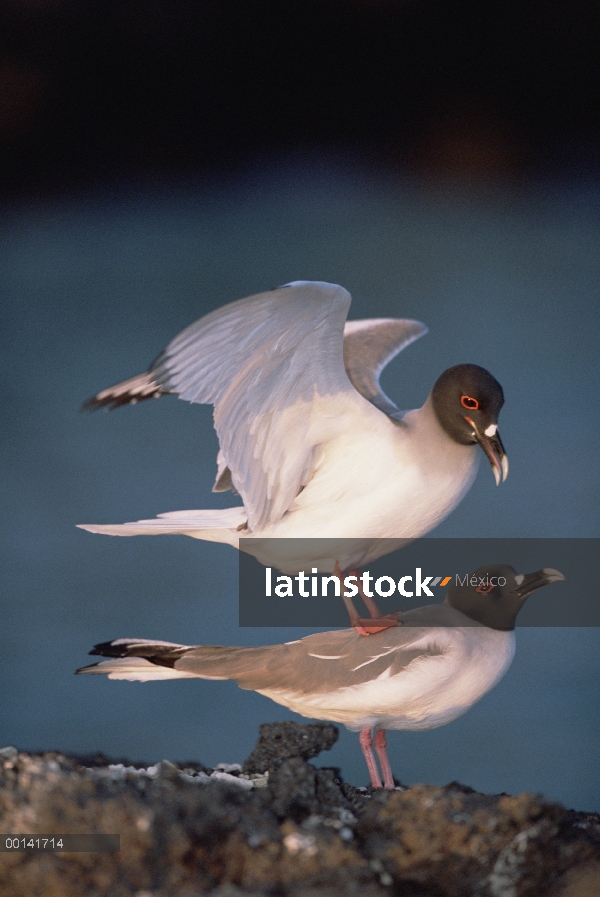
[(430, 692)]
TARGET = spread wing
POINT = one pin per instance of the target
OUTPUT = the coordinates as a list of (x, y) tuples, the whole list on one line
[(261, 361), (369, 345), (264, 362)]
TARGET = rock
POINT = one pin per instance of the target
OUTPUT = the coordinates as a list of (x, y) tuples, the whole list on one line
[(8, 753), (282, 741), (298, 790), (582, 881), (470, 843), (187, 832)]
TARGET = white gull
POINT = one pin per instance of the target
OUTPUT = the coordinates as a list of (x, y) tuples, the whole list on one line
[(307, 437)]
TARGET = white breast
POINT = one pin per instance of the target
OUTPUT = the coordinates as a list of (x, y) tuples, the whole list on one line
[(377, 479)]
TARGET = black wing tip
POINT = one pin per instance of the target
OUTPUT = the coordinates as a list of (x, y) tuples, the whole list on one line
[(154, 652), (109, 649), (94, 404), (110, 402)]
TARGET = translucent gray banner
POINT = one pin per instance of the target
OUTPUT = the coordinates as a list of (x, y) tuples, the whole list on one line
[(417, 574), (54, 843)]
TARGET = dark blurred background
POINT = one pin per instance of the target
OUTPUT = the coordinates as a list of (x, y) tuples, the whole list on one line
[(139, 88), (158, 159)]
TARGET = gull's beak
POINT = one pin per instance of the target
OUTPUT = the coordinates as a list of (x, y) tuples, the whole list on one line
[(490, 442), (528, 583)]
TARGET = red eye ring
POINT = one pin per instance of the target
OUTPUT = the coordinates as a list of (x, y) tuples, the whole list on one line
[(485, 588), (469, 402)]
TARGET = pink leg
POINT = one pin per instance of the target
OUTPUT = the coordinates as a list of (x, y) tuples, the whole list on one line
[(381, 748), (365, 743), (377, 623), (369, 602), (352, 612)]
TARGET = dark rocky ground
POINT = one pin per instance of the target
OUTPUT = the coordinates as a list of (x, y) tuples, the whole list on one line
[(278, 826)]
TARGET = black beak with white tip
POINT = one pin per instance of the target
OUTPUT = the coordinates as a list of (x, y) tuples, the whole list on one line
[(490, 442), (529, 582), (494, 595)]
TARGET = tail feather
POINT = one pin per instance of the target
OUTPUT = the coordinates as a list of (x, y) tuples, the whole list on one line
[(211, 525), (135, 669)]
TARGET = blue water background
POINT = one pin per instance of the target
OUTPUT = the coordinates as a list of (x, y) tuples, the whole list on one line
[(93, 286)]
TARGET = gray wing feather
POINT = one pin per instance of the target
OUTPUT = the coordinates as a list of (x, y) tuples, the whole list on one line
[(319, 663), (257, 356), (369, 345), (253, 360)]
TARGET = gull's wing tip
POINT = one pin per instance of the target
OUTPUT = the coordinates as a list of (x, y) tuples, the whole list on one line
[(127, 392), (90, 405), (110, 402)]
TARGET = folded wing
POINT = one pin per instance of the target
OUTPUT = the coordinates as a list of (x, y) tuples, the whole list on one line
[(320, 663)]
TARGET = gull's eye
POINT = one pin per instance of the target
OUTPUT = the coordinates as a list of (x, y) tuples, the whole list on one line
[(469, 402), (485, 588)]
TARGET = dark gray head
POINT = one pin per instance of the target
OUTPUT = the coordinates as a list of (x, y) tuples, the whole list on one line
[(495, 594), (467, 401)]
